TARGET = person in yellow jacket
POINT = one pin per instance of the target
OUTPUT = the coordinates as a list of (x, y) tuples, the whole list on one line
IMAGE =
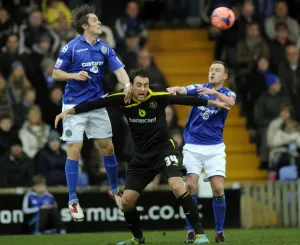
[(53, 10)]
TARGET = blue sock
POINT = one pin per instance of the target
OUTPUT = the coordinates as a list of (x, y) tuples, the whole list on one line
[(219, 206), (71, 170), (189, 227), (111, 166)]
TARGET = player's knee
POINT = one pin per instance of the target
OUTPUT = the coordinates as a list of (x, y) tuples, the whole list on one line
[(107, 149), (127, 203), (177, 187), (218, 190), (192, 187), (74, 151)]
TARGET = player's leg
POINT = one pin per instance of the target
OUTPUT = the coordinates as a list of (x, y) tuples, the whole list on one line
[(215, 168), (174, 171), (192, 162), (73, 129), (136, 180), (99, 128)]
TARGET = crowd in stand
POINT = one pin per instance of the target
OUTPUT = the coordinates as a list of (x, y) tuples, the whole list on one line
[(31, 36), (262, 49)]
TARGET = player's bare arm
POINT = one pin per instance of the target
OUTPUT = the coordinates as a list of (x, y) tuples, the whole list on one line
[(221, 97), (60, 75), (123, 79), (194, 101), (177, 90)]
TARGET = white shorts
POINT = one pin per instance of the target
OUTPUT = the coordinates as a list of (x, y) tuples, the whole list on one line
[(210, 157), (96, 125)]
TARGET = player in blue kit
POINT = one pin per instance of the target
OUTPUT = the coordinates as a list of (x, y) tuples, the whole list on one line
[(81, 63), (204, 143)]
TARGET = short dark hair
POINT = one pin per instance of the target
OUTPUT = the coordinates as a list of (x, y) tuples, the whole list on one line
[(280, 25), (141, 72), (5, 117), (38, 179), (226, 69), (80, 17)]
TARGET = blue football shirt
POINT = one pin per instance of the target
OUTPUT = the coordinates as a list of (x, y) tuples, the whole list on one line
[(79, 55), (205, 124)]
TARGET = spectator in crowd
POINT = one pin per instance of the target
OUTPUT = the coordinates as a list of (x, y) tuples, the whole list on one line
[(47, 66), (53, 11), (278, 46), (131, 22), (18, 82), (128, 53), (41, 209), (146, 61), (247, 17), (7, 26), (108, 36), (34, 132), (284, 146), (50, 161), (266, 109), (40, 51), (16, 168), (289, 72), (10, 54), (5, 101), (263, 8), (6, 134), (175, 131), (255, 87), (31, 32), (53, 106), (21, 108), (281, 15), (249, 49)]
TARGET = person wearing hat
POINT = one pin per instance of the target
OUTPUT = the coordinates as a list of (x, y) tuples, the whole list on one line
[(50, 161), (267, 108), (16, 168)]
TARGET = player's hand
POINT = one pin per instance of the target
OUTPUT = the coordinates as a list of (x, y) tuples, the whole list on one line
[(172, 90), (128, 94), (222, 105), (82, 76), (63, 116), (203, 90)]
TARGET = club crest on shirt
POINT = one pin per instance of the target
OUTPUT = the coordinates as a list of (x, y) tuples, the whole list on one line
[(64, 49), (103, 50), (153, 104)]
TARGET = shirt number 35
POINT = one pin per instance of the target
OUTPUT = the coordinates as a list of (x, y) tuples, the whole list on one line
[(172, 159)]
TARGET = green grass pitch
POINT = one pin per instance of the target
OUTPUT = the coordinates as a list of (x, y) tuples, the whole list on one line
[(241, 237)]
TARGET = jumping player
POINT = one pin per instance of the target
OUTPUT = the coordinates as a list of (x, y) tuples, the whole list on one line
[(156, 151), (204, 144), (82, 63)]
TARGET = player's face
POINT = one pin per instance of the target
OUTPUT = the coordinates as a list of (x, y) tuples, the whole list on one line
[(94, 26), (140, 87), (217, 74)]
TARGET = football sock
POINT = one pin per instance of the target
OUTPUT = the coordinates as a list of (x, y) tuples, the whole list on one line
[(191, 212), (189, 227), (219, 206), (71, 170), (111, 166), (132, 218)]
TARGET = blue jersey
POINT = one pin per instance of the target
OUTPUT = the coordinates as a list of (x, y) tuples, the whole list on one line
[(205, 124), (79, 55), (32, 201)]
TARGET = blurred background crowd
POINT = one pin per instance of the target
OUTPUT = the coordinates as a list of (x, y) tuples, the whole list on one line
[(261, 49)]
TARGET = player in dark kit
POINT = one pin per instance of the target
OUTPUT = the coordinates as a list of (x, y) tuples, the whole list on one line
[(156, 151)]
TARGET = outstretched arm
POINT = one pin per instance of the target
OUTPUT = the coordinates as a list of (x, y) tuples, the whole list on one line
[(177, 90), (194, 101), (113, 99)]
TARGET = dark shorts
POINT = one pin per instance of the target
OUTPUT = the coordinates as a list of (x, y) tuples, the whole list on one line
[(166, 160)]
